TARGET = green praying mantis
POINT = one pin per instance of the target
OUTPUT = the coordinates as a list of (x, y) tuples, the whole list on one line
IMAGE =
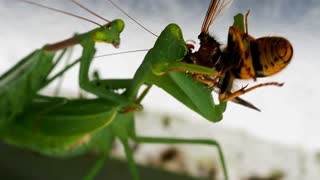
[(62, 127)]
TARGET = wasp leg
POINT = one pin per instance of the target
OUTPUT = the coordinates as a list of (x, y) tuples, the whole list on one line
[(227, 97), (211, 81), (204, 80)]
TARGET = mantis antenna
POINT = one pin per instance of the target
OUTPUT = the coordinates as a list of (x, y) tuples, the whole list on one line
[(64, 12), (114, 4), (83, 7), (124, 52)]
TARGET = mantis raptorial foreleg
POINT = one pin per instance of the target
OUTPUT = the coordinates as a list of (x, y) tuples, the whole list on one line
[(160, 67), (95, 86)]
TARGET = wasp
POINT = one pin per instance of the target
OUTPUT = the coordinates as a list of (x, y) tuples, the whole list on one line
[(244, 57)]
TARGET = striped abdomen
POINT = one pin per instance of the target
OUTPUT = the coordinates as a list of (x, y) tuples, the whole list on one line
[(270, 55)]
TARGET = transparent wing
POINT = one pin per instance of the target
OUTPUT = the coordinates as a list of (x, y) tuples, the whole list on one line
[(214, 10)]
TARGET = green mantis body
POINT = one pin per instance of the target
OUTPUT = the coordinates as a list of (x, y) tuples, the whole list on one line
[(62, 127), (21, 83), (80, 123)]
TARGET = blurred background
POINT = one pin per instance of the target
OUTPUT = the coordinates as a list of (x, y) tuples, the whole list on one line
[(285, 133)]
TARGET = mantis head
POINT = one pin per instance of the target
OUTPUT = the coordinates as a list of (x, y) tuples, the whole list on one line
[(110, 33)]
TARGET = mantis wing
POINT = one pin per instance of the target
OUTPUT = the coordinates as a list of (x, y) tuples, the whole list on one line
[(61, 130), (21, 83)]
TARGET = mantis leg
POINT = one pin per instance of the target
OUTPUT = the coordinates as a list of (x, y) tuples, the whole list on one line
[(129, 156), (118, 84), (59, 84), (184, 67), (162, 140), (62, 71), (92, 86), (113, 84), (97, 167), (60, 57), (143, 94), (107, 142)]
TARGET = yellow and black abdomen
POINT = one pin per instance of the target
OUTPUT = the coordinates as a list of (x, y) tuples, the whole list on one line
[(270, 55), (260, 57)]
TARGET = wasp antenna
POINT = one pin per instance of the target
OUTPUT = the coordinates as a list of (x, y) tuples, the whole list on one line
[(124, 52), (83, 7), (60, 11), (114, 4)]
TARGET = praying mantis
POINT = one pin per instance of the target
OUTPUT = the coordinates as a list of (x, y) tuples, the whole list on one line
[(62, 127)]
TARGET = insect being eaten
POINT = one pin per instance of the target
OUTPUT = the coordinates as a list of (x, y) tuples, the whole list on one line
[(244, 57)]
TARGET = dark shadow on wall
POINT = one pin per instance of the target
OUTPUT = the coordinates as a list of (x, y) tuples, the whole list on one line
[(16, 164)]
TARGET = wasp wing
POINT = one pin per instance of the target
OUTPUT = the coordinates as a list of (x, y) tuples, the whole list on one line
[(214, 10)]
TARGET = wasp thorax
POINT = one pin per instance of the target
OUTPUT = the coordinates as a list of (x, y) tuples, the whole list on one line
[(209, 51)]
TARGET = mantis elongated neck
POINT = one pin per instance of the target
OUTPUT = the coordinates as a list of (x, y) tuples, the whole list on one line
[(62, 44), (76, 39)]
